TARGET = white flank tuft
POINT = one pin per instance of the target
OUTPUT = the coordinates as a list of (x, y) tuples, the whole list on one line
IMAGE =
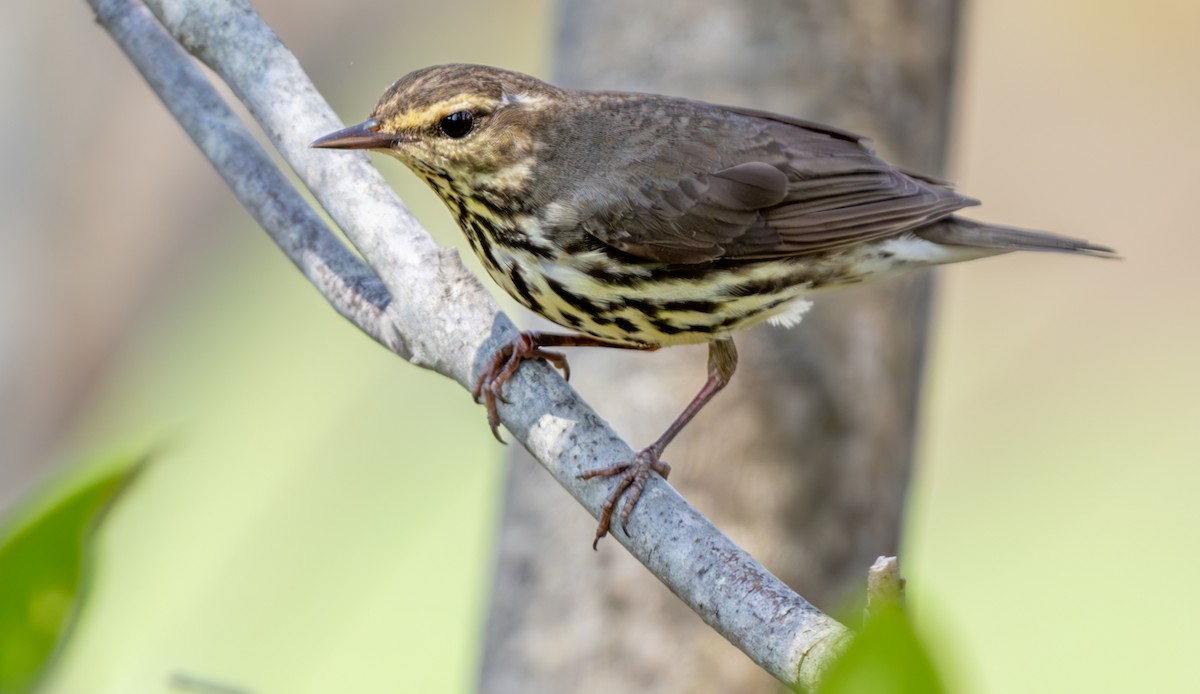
[(791, 314)]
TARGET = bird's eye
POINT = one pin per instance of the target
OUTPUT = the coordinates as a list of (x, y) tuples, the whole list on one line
[(457, 125)]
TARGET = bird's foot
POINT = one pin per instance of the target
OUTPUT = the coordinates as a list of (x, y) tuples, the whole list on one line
[(631, 480), (505, 363)]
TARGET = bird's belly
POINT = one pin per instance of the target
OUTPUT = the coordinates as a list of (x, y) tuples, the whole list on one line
[(658, 304)]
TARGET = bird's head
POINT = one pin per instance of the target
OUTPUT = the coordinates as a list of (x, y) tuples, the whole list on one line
[(463, 124)]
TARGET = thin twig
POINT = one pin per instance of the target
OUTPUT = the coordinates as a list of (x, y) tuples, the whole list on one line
[(439, 316), (885, 587)]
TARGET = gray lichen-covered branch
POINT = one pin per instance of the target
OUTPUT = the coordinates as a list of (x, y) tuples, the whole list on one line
[(419, 301)]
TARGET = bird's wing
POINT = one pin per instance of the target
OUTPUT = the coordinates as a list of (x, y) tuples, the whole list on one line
[(795, 188)]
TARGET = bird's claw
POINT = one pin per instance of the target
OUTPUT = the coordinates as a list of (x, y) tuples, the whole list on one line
[(505, 362), (631, 480)]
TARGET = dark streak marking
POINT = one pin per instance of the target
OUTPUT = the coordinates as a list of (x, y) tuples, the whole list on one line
[(524, 293), (666, 328), (581, 303)]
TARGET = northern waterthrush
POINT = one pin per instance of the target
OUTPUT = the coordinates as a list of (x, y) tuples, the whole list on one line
[(640, 221)]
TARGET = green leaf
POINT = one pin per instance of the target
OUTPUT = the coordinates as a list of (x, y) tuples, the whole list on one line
[(885, 658), (44, 563)]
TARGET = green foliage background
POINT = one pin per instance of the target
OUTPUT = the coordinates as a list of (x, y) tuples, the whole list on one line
[(45, 563)]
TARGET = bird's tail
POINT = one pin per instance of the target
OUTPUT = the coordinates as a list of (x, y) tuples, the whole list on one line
[(957, 231)]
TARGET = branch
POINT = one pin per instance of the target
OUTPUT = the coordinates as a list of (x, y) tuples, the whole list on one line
[(418, 300), (885, 587)]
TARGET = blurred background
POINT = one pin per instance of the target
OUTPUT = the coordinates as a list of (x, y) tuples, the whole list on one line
[(320, 514)]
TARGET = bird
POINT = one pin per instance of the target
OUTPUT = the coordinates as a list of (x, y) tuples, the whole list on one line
[(640, 221)]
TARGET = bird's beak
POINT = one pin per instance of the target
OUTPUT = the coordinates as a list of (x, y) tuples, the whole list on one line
[(365, 135)]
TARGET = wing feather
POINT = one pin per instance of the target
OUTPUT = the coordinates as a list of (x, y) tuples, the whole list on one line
[(779, 187)]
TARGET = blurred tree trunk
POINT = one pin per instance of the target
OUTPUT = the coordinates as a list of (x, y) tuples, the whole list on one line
[(804, 460)]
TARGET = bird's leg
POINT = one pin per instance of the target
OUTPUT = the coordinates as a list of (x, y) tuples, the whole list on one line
[(632, 476), (529, 345)]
